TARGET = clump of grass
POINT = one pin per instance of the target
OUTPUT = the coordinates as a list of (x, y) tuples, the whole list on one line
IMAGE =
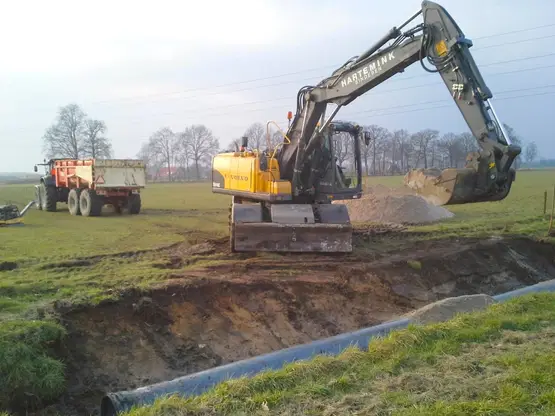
[(28, 372), (497, 361), (414, 264)]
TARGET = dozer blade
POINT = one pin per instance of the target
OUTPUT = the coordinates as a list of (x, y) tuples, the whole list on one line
[(269, 236), (293, 228), (451, 186)]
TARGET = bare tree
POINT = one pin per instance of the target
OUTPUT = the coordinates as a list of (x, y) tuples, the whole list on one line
[(233, 146), (184, 152), (203, 144), (379, 135), (468, 142), (365, 150), (144, 154), (401, 138), (276, 138), (163, 144), (422, 141), (64, 138), (342, 146), (94, 144), (257, 135), (385, 149), (531, 152), (450, 149)]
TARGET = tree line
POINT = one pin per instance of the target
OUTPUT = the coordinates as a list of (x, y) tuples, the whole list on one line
[(183, 154), (398, 151), (187, 154), (76, 135)]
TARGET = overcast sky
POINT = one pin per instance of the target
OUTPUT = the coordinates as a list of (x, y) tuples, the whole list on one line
[(140, 66)]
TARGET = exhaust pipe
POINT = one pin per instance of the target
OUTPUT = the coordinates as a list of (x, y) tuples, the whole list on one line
[(24, 210), (194, 384)]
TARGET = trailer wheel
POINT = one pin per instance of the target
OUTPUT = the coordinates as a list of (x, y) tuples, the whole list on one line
[(49, 197), (134, 204), (73, 202), (91, 203)]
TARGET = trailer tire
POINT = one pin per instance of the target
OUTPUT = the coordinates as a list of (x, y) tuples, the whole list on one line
[(91, 203), (134, 204), (73, 202), (49, 197)]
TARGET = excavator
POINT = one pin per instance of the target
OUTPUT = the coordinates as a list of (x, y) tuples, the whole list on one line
[(283, 200)]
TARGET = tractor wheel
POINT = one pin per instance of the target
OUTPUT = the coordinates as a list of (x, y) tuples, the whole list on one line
[(91, 203), (73, 202), (134, 204), (49, 197)]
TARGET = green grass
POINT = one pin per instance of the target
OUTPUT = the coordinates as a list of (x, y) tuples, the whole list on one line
[(45, 247), (57, 235), (500, 361), (26, 367)]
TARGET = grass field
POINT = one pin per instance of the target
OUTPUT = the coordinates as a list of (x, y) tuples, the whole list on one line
[(47, 260)]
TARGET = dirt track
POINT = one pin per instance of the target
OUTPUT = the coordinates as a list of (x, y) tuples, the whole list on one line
[(256, 304)]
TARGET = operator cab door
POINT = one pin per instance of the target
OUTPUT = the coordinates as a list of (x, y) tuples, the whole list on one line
[(340, 181)]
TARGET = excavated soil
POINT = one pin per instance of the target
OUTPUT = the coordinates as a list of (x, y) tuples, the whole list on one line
[(395, 206), (253, 305)]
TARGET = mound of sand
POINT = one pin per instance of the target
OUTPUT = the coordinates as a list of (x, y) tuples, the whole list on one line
[(448, 308), (395, 206)]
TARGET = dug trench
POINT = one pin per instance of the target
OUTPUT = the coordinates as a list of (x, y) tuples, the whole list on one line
[(208, 316)]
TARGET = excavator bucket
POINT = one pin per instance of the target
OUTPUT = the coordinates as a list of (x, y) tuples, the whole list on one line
[(451, 186), (298, 228)]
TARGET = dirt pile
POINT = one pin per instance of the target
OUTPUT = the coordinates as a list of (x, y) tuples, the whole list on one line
[(394, 206), (447, 308)]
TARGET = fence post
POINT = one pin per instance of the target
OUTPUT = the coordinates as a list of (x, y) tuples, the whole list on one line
[(549, 232)]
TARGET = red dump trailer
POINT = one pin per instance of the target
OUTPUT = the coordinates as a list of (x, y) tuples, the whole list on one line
[(89, 184)]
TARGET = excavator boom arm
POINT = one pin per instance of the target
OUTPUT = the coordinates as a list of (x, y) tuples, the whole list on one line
[(441, 42)]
